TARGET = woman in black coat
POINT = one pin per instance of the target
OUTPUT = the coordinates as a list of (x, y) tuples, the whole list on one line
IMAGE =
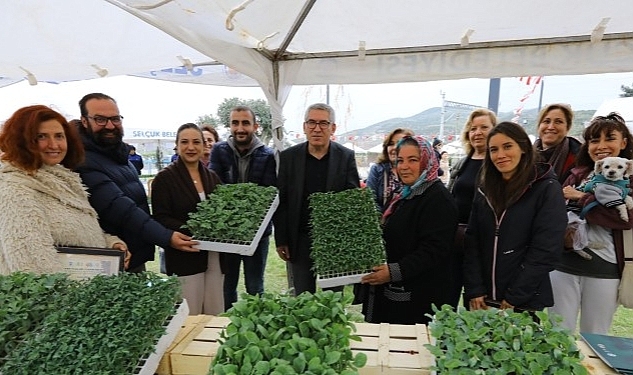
[(419, 226), (516, 229), (176, 190)]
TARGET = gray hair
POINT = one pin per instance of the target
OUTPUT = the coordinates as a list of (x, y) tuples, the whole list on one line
[(322, 107)]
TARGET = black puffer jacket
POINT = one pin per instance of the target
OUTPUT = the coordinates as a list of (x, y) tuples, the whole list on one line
[(118, 196), (509, 257)]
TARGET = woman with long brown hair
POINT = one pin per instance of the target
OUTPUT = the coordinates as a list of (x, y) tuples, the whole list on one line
[(516, 228), (44, 202)]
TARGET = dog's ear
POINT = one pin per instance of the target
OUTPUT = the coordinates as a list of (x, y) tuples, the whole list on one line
[(629, 168), (597, 168)]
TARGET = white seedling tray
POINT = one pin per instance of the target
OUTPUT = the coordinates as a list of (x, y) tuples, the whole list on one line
[(338, 279), (241, 247), (150, 364)]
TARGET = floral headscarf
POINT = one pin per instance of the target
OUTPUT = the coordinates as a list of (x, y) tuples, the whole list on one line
[(429, 166)]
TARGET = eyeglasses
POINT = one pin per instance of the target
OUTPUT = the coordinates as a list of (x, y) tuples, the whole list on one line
[(103, 120), (322, 124)]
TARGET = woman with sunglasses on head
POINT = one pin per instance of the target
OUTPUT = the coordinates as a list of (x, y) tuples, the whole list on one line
[(463, 184), (45, 204), (516, 228), (553, 146), (418, 229), (588, 286)]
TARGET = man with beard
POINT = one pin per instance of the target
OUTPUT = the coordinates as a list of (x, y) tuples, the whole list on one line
[(244, 158), (116, 192)]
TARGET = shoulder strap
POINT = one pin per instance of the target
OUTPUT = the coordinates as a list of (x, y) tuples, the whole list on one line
[(627, 236), (385, 183)]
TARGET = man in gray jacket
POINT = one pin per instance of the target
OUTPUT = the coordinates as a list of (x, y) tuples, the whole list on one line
[(244, 158)]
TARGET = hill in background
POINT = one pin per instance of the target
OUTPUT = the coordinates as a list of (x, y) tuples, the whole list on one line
[(427, 123)]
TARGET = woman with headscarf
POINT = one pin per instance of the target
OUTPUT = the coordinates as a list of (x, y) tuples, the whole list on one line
[(382, 179), (517, 224), (418, 229)]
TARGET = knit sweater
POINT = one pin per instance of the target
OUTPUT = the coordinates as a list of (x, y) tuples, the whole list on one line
[(40, 212)]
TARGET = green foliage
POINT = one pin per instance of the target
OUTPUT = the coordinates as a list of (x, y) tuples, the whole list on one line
[(281, 334), (159, 158), (25, 300), (497, 342), (345, 231), (232, 212), (207, 120), (262, 114), (100, 326), (627, 91)]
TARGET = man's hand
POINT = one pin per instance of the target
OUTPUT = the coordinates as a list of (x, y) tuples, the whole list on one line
[(506, 305), (183, 242), (284, 253), (380, 275), (478, 303)]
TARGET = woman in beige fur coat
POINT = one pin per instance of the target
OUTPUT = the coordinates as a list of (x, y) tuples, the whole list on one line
[(44, 202)]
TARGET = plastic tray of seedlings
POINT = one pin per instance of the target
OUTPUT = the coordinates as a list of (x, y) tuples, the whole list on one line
[(149, 364), (241, 247), (333, 279)]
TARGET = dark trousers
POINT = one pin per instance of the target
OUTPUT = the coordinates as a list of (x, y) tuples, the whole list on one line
[(254, 268), (303, 279), (137, 269)]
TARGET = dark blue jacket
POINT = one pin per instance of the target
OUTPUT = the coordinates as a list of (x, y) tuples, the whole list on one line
[(118, 196), (262, 167), (510, 256)]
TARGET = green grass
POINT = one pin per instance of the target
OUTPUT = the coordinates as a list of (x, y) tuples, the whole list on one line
[(275, 282)]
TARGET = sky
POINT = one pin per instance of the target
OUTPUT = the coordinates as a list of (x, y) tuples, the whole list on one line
[(153, 104)]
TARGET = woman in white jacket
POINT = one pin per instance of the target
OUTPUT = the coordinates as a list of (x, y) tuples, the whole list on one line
[(44, 202)]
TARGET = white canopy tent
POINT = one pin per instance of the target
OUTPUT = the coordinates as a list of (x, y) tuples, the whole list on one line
[(279, 43)]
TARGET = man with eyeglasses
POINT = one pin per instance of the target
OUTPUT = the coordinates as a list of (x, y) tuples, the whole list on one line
[(116, 192), (317, 165), (244, 158)]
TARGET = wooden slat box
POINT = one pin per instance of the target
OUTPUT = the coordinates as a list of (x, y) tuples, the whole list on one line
[(164, 367), (393, 349), (194, 354)]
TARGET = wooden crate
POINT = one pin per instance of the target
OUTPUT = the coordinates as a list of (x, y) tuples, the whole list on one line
[(195, 352), (592, 362), (192, 321), (393, 349)]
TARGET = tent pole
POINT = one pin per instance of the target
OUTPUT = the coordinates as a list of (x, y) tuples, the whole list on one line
[(493, 94)]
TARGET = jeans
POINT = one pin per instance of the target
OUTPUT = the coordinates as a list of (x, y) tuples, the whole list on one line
[(254, 267)]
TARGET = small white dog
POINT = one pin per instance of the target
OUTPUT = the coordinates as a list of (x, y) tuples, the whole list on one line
[(610, 184)]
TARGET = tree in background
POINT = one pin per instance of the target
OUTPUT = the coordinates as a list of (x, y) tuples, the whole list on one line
[(207, 120), (627, 91), (259, 106), (159, 158)]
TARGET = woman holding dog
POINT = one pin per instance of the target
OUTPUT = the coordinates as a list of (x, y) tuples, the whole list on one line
[(516, 228), (589, 285), (553, 145)]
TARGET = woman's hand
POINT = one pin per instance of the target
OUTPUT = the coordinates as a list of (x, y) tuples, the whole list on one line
[(569, 192), (380, 275), (506, 305), (478, 303), (128, 256)]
